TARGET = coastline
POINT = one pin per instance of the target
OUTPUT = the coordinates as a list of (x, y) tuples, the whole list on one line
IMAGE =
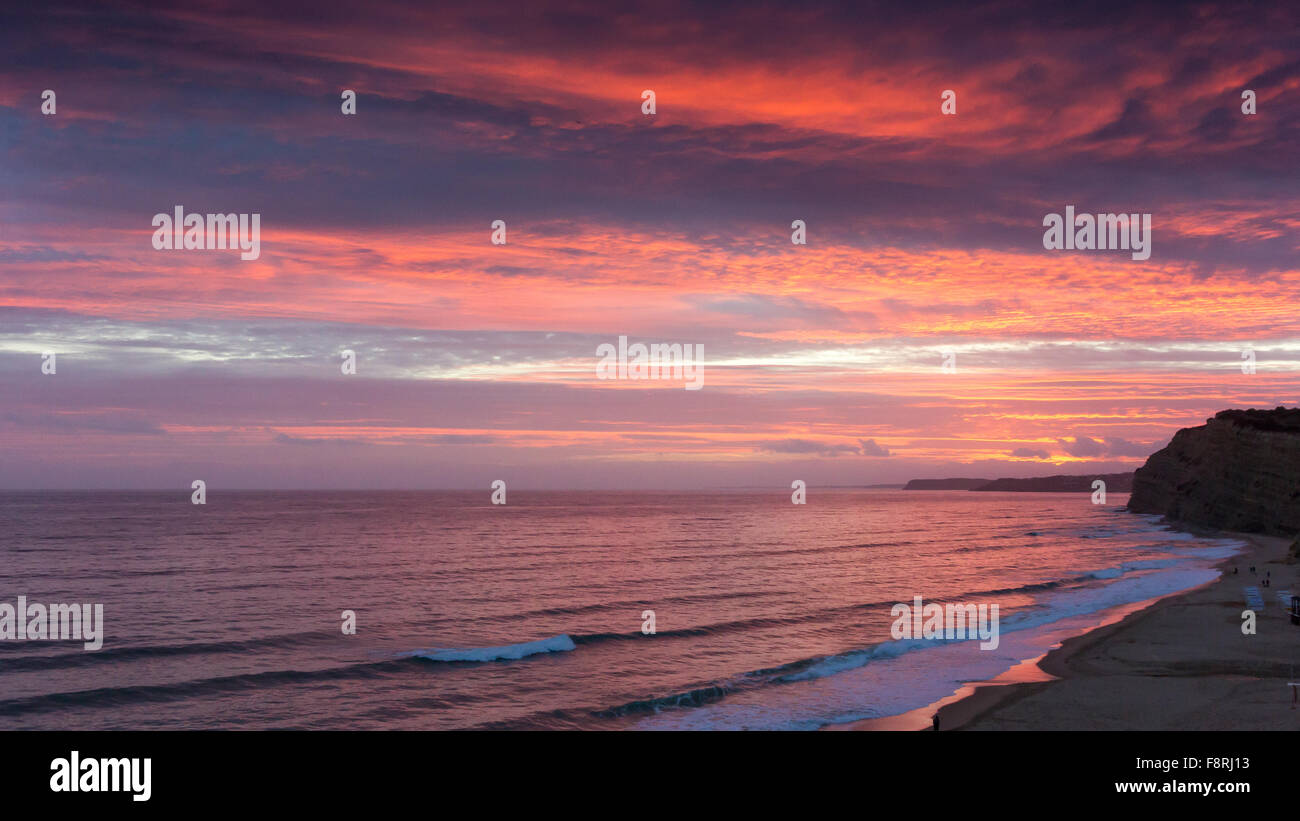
[(1173, 662), (1179, 662)]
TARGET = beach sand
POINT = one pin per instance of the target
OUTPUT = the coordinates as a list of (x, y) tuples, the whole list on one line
[(1180, 663)]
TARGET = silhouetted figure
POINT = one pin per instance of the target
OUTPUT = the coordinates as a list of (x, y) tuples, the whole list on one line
[(1234, 570), (935, 719)]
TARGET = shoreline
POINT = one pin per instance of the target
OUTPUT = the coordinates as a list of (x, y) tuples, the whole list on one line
[(988, 697), (1141, 659), (1178, 662)]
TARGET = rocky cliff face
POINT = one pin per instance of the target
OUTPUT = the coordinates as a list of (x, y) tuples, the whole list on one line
[(1239, 471)]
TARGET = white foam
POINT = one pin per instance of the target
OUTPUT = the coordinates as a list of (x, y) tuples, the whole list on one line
[(509, 652), (1053, 607), (1218, 549), (888, 678), (1129, 567)]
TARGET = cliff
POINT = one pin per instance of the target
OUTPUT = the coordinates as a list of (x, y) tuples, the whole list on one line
[(1115, 483), (1238, 471)]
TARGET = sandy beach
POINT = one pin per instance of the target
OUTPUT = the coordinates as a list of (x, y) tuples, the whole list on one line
[(1179, 663)]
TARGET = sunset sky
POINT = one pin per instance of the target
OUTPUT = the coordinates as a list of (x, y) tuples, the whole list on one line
[(477, 361)]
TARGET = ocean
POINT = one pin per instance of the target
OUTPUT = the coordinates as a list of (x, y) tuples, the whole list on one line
[(530, 615)]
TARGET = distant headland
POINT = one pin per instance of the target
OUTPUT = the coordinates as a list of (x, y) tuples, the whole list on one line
[(1081, 483)]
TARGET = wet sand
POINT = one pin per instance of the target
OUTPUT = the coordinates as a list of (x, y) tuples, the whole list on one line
[(1181, 663)]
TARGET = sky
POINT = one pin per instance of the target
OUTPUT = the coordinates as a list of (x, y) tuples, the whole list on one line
[(923, 330)]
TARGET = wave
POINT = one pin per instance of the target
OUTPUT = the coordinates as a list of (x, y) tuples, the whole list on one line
[(695, 598), (691, 698), (198, 688), (1127, 582), (110, 655), (1129, 567), (822, 615), (720, 628), (509, 652), (195, 688), (1155, 580), (814, 667)]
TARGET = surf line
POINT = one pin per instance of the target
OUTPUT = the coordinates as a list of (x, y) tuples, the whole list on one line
[(951, 621)]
